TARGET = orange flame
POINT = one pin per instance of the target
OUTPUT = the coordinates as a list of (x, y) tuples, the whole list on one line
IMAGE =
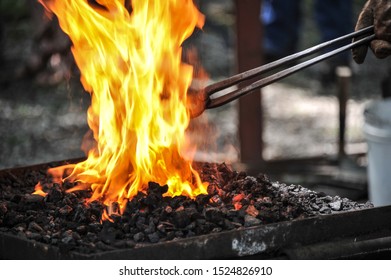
[(131, 64), (39, 190)]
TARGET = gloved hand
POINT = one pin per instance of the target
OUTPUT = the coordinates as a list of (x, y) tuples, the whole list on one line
[(378, 13)]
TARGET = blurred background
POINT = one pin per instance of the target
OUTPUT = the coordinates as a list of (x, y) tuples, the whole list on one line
[(43, 106)]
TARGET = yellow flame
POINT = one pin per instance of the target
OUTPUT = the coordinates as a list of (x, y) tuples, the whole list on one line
[(131, 64)]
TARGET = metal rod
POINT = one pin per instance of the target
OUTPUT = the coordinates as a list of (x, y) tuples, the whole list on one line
[(281, 62), (224, 99)]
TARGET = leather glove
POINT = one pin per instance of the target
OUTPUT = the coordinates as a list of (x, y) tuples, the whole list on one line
[(377, 13)]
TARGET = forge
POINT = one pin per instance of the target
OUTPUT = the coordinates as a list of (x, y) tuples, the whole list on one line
[(241, 216), (137, 194)]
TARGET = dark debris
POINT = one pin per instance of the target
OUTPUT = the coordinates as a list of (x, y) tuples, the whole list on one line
[(234, 201)]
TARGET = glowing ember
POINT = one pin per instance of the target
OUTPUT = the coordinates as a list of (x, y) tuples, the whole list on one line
[(39, 190), (131, 64)]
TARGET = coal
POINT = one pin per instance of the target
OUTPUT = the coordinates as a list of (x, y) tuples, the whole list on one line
[(234, 201), (250, 221)]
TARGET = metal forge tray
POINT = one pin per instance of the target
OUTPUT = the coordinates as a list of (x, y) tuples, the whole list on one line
[(353, 235)]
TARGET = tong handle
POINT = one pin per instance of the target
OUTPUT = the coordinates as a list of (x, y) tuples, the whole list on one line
[(235, 94)]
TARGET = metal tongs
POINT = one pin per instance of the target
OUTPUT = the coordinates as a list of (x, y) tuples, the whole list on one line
[(204, 99)]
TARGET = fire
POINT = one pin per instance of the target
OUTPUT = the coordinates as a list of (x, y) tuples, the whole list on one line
[(39, 190), (131, 65)]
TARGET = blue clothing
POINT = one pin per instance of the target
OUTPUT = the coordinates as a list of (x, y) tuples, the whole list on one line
[(282, 23)]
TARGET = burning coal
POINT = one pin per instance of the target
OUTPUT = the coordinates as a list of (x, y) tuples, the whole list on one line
[(131, 65), (235, 202)]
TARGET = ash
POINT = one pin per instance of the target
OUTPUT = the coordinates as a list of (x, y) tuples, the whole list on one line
[(234, 201)]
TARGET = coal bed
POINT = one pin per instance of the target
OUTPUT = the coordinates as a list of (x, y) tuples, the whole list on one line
[(242, 215)]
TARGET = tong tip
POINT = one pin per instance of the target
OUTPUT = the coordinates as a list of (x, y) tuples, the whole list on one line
[(196, 102)]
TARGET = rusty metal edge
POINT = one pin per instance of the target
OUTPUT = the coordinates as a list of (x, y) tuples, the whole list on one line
[(39, 166), (264, 241)]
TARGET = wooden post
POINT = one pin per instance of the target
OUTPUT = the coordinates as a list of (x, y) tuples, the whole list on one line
[(249, 54), (344, 75)]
